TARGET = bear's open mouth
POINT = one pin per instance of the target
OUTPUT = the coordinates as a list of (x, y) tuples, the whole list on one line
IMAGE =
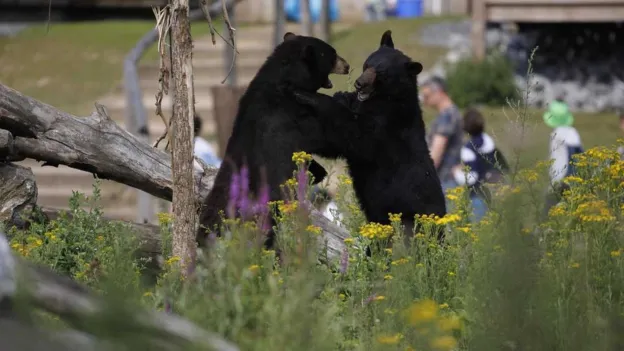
[(362, 96), (328, 84)]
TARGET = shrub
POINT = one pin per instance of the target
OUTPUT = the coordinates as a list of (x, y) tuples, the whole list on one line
[(488, 82)]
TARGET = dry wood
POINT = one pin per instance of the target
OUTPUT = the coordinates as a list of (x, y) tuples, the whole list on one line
[(97, 145)]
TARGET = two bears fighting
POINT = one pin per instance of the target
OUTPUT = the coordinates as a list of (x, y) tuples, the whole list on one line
[(378, 130)]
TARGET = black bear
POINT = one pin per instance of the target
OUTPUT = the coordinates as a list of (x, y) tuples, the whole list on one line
[(271, 125), (379, 131)]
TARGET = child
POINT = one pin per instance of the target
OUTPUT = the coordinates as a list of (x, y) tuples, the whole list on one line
[(565, 142), (202, 148), (484, 161)]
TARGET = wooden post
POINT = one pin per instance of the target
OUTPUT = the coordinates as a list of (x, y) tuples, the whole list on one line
[(325, 21), (184, 210), (307, 28), (478, 28), (280, 18), (225, 108)]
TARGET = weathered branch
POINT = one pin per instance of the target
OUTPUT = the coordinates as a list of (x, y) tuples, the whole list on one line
[(97, 145), (75, 303)]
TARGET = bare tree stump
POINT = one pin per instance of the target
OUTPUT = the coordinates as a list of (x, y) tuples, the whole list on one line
[(225, 109)]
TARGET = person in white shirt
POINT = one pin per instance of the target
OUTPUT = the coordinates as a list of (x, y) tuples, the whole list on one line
[(202, 148), (565, 142)]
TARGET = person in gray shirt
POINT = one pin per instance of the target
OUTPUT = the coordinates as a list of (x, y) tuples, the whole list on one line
[(445, 137)]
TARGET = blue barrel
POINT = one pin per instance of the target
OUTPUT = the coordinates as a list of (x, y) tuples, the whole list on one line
[(409, 8), (292, 10)]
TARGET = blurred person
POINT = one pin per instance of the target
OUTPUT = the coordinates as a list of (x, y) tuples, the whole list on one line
[(375, 10), (481, 161), (445, 137), (565, 142), (202, 148)]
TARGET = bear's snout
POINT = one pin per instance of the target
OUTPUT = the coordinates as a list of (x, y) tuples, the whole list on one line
[(341, 66)]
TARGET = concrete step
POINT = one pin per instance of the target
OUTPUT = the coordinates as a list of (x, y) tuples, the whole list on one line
[(210, 67), (202, 83)]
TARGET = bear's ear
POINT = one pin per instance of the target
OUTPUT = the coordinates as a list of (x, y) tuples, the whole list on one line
[(386, 39), (289, 36), (414, 67)]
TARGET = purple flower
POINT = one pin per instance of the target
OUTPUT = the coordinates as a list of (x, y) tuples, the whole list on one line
[(344, 261), (302, 183), (234, 195), (243, 199)]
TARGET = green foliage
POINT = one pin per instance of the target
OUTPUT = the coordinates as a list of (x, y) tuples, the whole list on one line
[(488, 82)]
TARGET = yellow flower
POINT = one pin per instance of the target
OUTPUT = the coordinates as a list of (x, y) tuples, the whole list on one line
[(314, 229), (345, 179), (448, 218), (449, 323), (291, 183), (395, 217), (444, 305), (348, 241), (446, 342), (616, 253), (288, 207), (419, 265), (529, 175), (573, 179), (379, 298), (388, 250), (164, 218), (148, 294), (464, 229), (388, 277), (422, 311), (301, 157), (451, 274), (389, 339), (376, 231), (342, 296), (419, 236), (575, 265), (99, 238), (51, 236), (400, 261), (172, 260), (254, 267), (594, 211)]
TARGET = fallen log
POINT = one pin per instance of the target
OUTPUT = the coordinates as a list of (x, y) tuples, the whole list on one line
[(76, 304), (96, 144)]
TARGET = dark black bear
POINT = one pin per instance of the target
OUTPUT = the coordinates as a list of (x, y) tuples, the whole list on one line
[(271, 125), (380, 132)]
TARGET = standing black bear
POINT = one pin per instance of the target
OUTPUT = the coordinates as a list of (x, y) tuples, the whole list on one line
[(271, 125), (380, 132)]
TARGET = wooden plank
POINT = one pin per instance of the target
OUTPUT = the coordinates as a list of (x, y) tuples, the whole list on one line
[(225, 108), (547, 13), (478, 29)]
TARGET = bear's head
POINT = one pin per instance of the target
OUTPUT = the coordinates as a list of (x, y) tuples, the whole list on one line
[(387, 72), (308, 62)]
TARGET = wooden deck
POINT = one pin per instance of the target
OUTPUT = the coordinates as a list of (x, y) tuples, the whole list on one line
[(545, 11)]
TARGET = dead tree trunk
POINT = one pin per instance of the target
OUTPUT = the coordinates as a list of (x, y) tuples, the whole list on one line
[(307, 27), (182, 151)]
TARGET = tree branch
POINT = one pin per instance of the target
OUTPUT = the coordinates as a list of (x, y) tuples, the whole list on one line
[(97, 145)]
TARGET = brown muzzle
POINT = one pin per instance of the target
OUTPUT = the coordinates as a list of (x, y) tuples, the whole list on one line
[(341, 66)]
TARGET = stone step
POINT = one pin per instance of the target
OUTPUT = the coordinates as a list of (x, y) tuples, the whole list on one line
[(210, 67), (202, 83)]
